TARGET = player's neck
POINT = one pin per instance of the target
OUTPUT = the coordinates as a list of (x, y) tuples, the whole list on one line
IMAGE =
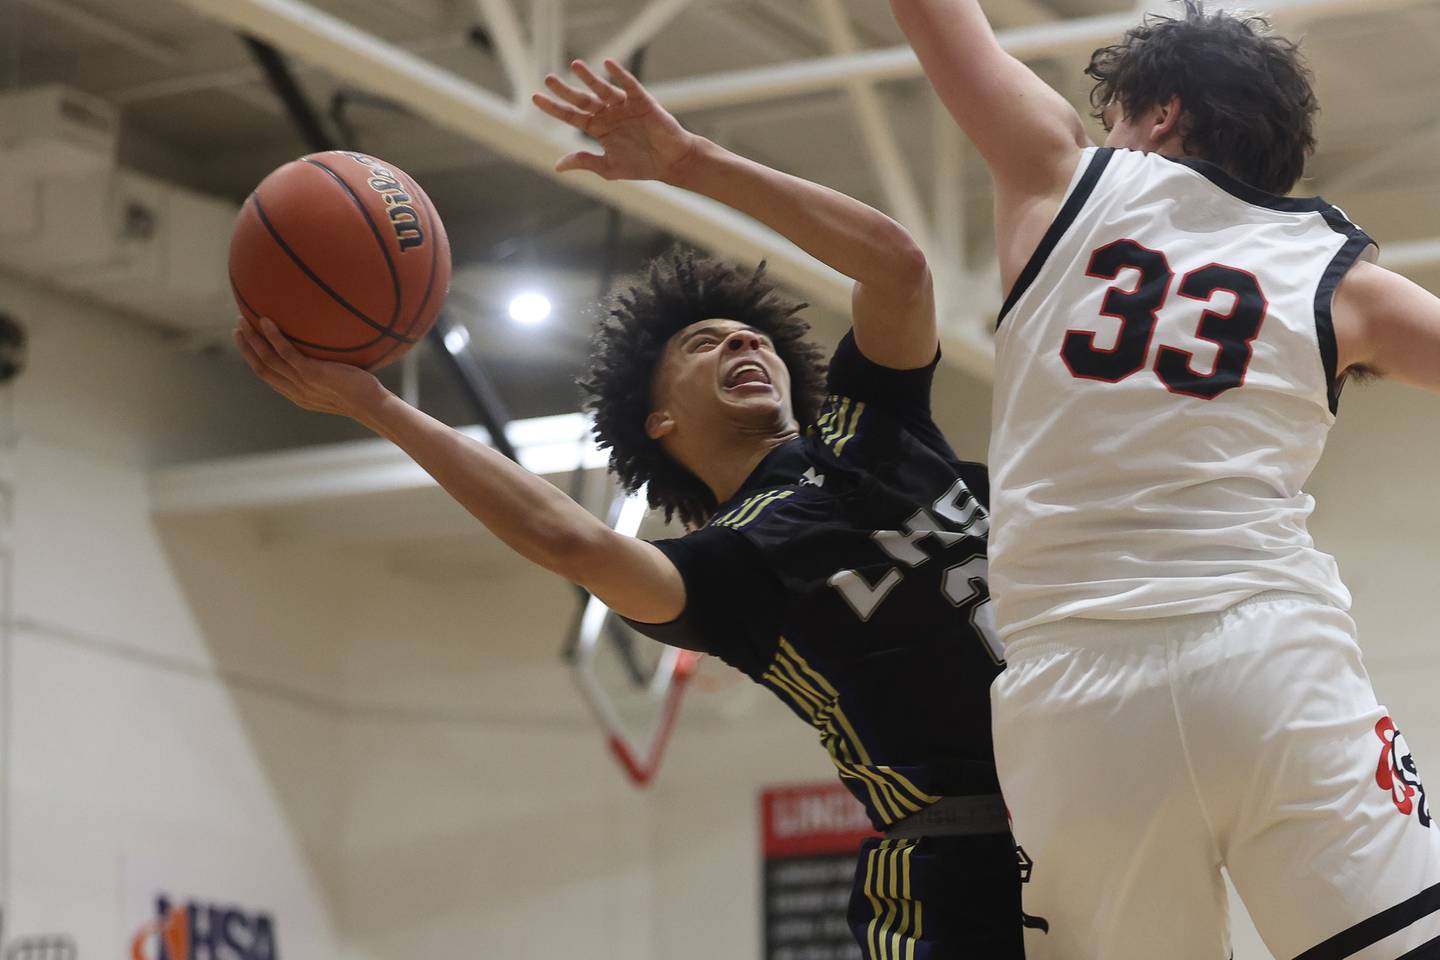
[(1173, 147), (727, 461)]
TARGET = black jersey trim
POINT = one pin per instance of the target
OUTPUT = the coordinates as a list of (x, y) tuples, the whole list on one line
[(1369, 932), (1068, 212), (1356, 244), (1241, 190)]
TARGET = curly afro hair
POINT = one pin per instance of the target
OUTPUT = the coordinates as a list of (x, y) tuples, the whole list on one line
[(1248, 96), (681, 288)]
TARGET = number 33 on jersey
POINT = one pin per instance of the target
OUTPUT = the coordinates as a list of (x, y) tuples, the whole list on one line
[(1165, 380)]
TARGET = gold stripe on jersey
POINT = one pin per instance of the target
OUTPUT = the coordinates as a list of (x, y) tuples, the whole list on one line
[(746, 504), (892, 795), (750, 509), (895, 922), (850, 432), (839, 419), (825, 425), (822, 423), (838, 424), (817, 710), (871, 862), (899, 778)]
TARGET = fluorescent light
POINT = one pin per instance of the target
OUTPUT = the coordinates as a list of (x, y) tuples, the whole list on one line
[(457, 338), (529, 309)]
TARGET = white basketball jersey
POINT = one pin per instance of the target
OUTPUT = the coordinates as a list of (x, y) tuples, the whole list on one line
[(1164, 383)]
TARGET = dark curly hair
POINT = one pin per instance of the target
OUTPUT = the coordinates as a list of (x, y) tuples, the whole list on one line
[(681, 288), (1247, 95)]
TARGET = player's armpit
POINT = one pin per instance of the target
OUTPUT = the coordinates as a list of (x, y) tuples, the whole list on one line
[(1389, 325), (630, 576)]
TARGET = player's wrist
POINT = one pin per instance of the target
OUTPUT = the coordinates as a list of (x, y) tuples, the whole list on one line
[(374, 407), (688, 168)]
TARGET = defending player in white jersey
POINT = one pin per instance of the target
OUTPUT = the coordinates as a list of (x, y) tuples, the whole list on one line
[(1184, 690)]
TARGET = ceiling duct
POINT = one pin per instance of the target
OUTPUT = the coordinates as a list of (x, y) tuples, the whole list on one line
[(75, 221)]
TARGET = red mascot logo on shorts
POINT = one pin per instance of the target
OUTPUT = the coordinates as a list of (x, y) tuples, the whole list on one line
[(1396, 773)]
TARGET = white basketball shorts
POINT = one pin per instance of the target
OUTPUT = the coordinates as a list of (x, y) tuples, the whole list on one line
[(1138, 757)]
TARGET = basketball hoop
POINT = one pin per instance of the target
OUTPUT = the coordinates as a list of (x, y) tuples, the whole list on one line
[(653, 697)]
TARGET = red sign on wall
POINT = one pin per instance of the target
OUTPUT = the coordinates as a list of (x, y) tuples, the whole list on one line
[(812, 818), (812, 834)]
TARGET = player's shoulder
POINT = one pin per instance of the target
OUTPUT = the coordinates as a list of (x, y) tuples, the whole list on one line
[(854, 434), (838, 425), (776, 510)]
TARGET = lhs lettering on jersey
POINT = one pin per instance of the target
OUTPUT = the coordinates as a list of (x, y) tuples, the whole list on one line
[(963, 583)]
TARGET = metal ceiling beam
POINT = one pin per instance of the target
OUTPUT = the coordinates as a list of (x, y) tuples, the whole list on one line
[(282, 81), (456, 104), (642, 28), (549, 446), (821, 74), (547, 43), (237, 81), (510, 44), (886, 160), (1083, 34)]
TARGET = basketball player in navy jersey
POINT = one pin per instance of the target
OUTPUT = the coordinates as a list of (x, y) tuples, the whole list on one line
[(837, 544), (1184, 690)]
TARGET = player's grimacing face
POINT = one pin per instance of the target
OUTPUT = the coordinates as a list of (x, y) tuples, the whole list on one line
[(719, 372)]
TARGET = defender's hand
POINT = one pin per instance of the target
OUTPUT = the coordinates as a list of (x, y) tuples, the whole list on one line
[(642, 141), (319, 385)]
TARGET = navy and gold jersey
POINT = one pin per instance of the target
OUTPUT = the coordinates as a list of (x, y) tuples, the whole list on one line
[(848, 575)]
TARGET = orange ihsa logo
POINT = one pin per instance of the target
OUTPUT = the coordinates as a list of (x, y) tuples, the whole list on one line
[(196, 931)]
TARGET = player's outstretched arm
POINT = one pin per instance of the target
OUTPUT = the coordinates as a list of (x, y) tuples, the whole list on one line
[(1388, 325), (894, 311), (1028, 134), (632, 577)]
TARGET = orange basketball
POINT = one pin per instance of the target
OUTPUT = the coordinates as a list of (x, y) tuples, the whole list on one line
[(345, 253)]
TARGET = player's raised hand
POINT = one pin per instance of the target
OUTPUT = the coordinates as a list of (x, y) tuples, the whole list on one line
[(641, 140), (319, 385)]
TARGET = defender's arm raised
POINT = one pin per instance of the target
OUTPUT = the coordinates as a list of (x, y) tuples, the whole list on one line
[(1028, 134)]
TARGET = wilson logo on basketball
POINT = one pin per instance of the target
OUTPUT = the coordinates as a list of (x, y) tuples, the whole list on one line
[(197, 931), (1396, 773), (403, 217)]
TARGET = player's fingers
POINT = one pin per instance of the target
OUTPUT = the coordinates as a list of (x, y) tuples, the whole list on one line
[(255, 348), (607, 92), (624, 78), (246, 342), (560, 111), (572, 95), (582, 160), (265, 353), (293, 359)]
